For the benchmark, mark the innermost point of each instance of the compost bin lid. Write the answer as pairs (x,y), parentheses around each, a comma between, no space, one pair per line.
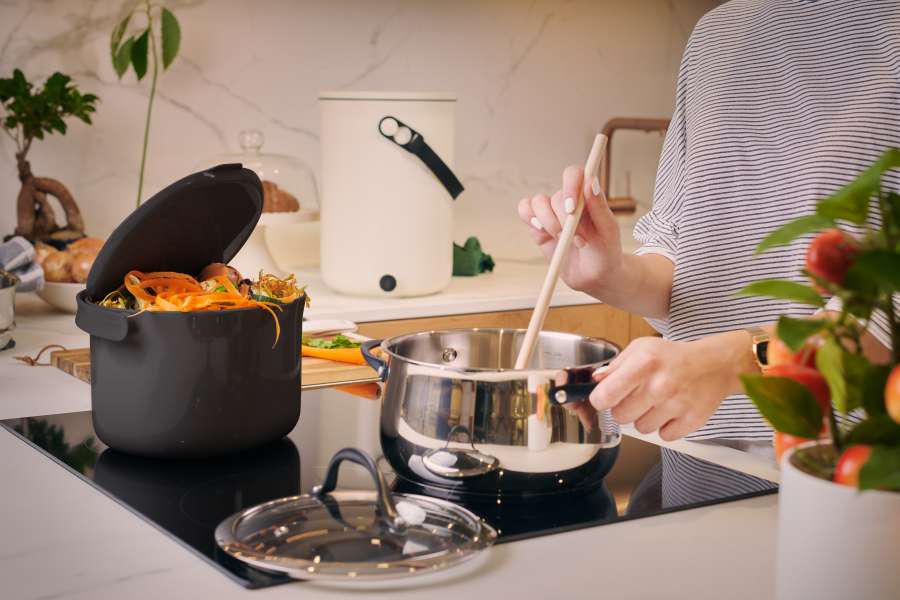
(200,219)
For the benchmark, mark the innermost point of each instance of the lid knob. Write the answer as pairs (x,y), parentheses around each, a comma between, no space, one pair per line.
(251,140)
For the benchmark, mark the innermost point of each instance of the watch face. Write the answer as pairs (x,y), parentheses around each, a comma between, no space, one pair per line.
(762,352)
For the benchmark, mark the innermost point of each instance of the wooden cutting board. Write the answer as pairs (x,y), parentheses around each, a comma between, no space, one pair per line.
(315,372)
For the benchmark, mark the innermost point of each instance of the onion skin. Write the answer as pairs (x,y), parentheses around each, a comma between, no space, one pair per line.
(41,251)
(87,244)
(81,265)
(58,267)
(216,269)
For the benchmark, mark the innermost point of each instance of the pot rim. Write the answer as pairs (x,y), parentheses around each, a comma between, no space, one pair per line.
(788,463)
(401,338)
(131,314)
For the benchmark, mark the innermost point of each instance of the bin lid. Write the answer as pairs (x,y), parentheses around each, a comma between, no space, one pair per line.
(203,218)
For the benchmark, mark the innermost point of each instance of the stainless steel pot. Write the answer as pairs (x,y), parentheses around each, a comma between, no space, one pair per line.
(8,284)
(456,415)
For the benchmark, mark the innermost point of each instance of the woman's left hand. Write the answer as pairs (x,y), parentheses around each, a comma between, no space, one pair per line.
(672,387)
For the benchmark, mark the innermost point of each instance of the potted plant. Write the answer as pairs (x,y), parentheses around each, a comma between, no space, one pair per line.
(836,413)
(29,114)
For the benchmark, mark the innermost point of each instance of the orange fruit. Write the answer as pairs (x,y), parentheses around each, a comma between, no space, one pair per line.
(830,254)
(892,394)
(851,461)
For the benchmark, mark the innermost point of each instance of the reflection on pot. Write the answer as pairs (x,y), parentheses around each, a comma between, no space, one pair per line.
(7,307)
(526,430)
(516,516)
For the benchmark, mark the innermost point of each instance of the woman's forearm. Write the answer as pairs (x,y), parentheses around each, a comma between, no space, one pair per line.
(643,286)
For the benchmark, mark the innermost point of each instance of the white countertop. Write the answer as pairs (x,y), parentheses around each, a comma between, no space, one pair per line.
(71,541)
(511,286)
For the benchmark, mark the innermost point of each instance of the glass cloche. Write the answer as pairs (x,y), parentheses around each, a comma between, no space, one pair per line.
(289,187)
(286,237)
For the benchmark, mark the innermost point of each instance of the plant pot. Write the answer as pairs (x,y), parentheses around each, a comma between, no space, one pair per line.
(833,540)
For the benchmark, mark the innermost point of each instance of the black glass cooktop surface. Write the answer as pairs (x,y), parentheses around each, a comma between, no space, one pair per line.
(188,499)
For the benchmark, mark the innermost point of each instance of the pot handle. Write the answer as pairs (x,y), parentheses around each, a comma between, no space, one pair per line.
(581,387)
(107,323)
(380,365)
(390,127)
(571,392)
(385,502)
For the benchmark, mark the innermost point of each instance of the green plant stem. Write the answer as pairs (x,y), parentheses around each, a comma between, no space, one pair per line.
(149,106)
(888,220)
(895,329)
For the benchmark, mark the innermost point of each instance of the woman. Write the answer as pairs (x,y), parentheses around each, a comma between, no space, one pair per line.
(778,104)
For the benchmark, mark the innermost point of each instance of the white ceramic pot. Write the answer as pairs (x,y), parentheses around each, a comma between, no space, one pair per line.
(387,220)
(835,541)
(61,296)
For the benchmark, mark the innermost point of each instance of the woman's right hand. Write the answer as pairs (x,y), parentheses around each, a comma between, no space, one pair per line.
(595,259)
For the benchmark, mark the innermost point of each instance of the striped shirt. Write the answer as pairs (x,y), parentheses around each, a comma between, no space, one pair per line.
(779,103)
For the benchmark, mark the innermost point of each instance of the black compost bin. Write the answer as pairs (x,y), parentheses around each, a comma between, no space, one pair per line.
(189,385)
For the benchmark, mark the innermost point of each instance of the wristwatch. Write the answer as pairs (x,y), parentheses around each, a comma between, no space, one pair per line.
(760,344)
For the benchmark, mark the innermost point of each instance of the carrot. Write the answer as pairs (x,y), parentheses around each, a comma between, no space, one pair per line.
(345,355)
(165,291)
(369,391)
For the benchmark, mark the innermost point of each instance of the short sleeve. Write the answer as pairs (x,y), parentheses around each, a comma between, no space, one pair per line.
(657,231)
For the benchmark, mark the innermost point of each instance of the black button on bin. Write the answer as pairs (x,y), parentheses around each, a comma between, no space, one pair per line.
(387,283)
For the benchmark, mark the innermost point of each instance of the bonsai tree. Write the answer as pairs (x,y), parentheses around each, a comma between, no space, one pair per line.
(820,367)
(140,50)
(30,114)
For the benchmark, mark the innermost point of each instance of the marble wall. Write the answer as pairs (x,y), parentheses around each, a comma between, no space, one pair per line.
(534,80)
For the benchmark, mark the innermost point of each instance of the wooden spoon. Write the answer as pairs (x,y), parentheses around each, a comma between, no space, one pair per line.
(559,255)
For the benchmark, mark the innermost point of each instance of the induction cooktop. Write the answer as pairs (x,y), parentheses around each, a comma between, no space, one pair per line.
(187,499)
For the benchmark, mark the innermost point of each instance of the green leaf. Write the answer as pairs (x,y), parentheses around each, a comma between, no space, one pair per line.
(339,341)
(784,290)
(794,332)
(873,385)
(55,86)
(788,405)
(139,54)
(794,229)
(845,373)
(115,39)
(829,361)
(880,266)
(123,57)
(875,430)
(851,202)
(171,37)
(882,470)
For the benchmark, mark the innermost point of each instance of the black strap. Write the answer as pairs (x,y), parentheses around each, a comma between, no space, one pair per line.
(416,145)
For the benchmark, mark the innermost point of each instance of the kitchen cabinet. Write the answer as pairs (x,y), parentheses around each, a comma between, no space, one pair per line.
(597,320)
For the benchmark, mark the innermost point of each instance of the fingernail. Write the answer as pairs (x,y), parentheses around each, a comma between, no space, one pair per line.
(579,241)
(595,186)
(569,204)
(536,224)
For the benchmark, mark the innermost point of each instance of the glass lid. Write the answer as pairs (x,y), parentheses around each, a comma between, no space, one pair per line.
(290,193)
(354,534)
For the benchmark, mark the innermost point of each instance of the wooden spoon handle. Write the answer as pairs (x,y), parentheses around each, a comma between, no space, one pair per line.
(559,255)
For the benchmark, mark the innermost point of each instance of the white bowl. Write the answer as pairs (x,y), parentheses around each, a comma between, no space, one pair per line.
(61,296)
